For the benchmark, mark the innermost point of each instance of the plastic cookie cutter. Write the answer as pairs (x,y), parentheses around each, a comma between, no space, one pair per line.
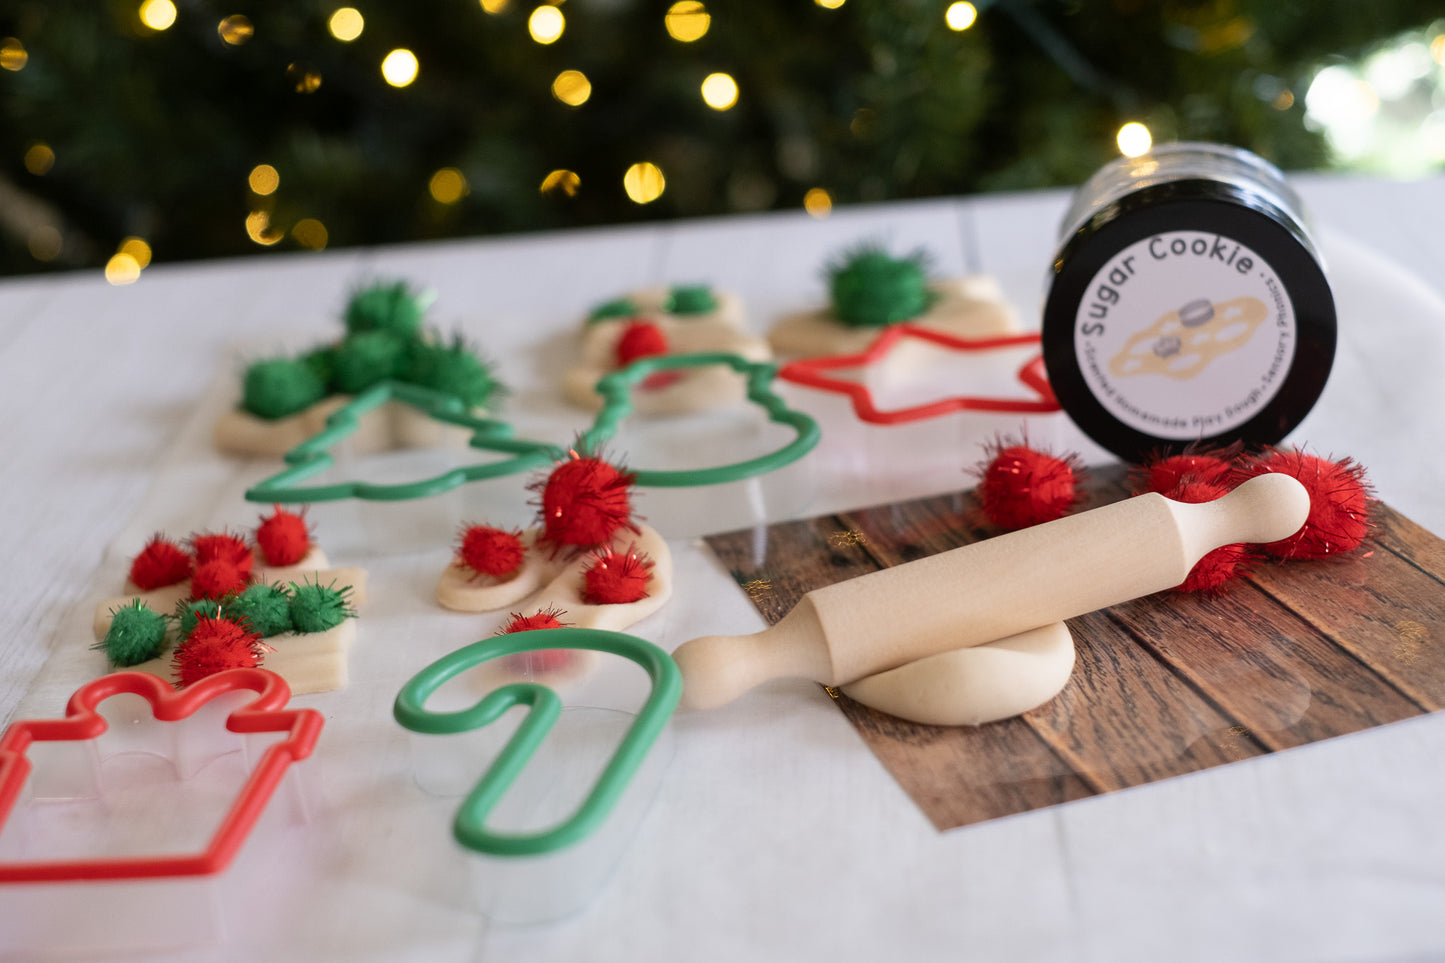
(313,456)
(99,850)
(813,372)
(547,872)
(763,471)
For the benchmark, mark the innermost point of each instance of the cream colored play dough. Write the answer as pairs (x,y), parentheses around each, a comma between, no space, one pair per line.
(558,582)
(983,683)
(694,389)
(388,426)
(970,307)
(308,661)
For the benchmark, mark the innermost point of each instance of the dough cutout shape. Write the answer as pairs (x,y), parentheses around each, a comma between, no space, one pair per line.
(651,321)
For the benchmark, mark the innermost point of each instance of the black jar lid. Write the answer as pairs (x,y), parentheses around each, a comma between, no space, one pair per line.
(1208,206)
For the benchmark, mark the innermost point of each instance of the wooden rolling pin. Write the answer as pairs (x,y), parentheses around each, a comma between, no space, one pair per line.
(989,590)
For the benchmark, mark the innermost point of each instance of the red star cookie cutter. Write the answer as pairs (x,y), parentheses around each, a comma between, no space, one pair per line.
(813,372)
(266,713)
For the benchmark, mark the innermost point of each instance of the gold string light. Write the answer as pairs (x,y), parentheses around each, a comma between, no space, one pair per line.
(310,233)
(400,67)
(138,250)
(961,15)
(236,29)
(346,24)
(687,20)
(264,179)
(304,78)
(39,159)
(546,24)
(158,14)
(1134,139)
(122,269)
(13,55)
(829,4)
(258,228)
(561,183)
(448,185)
(818,203)
(572,88)
(719,91)
(644,182)
(495,6)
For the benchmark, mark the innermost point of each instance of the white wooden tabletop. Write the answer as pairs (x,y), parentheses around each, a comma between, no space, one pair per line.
(776,835)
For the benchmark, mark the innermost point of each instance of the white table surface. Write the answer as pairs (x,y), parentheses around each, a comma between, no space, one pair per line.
(776,834)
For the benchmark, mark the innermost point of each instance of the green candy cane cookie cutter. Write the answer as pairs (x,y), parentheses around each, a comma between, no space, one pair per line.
(543,709)
(616,391)
(312,457)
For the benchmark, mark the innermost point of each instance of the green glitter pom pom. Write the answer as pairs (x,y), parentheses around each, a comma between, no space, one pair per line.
(317,608)
(620,308)
(364,359)
(137,634)
(277,387)
(454,369)
(389,307)
(265,608)
(871,289)
(188,609)
(690,299)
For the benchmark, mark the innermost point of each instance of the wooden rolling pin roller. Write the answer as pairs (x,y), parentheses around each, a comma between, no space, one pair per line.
(989,590)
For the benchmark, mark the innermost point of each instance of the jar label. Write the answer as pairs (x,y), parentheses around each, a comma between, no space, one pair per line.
(1185,334)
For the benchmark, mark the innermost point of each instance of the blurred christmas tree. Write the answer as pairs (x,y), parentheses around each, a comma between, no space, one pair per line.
(210,130)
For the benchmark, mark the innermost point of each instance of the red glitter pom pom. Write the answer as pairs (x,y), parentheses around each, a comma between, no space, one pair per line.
(585,502)
(224,547)
(1212,572)
(216,579)
(540,660)
(1022,486)
(162,562)
(1164,473)
(283,537)
(615,577)
(1339,518)
(641,339)
(490,551)
(214,646)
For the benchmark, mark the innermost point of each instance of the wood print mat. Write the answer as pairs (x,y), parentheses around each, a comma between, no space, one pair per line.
(1165,685)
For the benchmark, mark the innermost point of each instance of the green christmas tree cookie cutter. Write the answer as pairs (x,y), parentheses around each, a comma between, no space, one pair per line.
(312,456)
(543,709)
(616,390)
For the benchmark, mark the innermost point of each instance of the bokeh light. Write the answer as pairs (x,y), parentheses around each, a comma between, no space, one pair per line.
(264,179)
(137,249)
(310,233)
(546,24)
(304,78)
(644,182)
(39,159)
(687,20)
(572,88)
(158,15)
(122,269)
(45,242)
(719,91)
(495,6)
(236,30)
(1134,139)
(561,183)
(829,4)
(960,16)
(346,24)
(258,228)
(399,68)
(13,55)
(448,185)
(818,202)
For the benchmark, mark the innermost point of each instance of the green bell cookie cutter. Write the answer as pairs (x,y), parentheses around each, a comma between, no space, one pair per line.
(312,457)
(544,707)
(616,391)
